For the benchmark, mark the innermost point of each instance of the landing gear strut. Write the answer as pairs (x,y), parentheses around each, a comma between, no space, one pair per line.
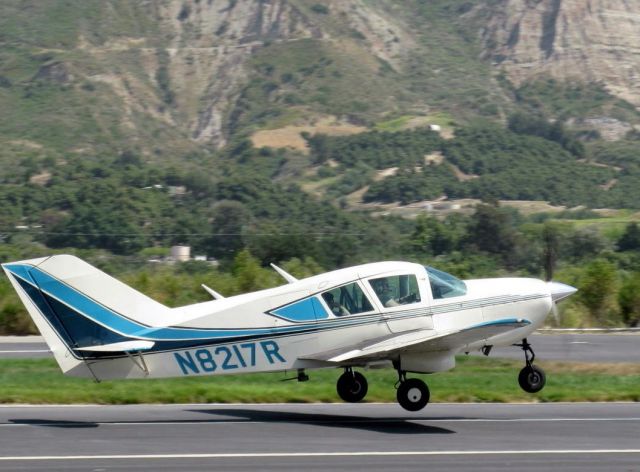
(413,394)
(352,386)
(531,377)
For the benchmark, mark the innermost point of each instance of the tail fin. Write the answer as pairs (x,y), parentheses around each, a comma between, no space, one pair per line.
(81,311)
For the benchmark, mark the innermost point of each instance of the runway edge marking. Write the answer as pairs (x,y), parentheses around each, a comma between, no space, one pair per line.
(320,454)
(332,421)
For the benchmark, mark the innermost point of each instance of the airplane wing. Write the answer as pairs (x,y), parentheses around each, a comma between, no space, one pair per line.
(423,340)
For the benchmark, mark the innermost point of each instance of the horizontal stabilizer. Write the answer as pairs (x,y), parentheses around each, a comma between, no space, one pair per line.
(125,346)
(424,340)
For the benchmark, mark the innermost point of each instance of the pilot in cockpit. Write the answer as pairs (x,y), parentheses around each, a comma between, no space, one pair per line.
(333,305)
(384,292)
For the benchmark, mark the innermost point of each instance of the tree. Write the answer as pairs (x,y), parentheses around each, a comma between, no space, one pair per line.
(598,289)
(248,273)
(630,239)
(431,236)
(629,299)
(229,220)
(491,229)
(582,243)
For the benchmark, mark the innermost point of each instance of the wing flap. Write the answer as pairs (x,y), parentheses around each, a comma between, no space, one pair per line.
(420,341)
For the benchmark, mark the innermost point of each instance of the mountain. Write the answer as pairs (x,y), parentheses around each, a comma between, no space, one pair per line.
(590,41)
(191,73)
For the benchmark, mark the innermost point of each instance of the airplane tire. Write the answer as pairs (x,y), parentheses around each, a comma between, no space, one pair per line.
(532,379)
(352,387)
(413,394)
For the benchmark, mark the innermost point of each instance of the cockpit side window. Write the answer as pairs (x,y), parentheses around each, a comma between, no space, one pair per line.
(346,300)
(445,285)
(396,290)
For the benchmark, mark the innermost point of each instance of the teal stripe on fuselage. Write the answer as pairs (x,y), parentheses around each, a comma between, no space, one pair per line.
(502,322)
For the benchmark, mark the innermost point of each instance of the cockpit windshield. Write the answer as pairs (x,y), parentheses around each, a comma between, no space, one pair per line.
(445,285)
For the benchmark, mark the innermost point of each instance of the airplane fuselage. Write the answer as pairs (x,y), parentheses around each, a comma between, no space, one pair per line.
(281,350)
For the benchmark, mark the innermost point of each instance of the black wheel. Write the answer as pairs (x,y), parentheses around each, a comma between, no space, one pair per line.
(532,379)
(413,394)
(352,387)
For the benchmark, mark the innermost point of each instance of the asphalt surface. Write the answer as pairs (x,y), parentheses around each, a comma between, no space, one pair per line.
(29,347)
(577,347)
(319,437)
(608,348)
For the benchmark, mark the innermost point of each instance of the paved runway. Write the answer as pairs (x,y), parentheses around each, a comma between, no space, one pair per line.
(561,347)
(579,348)
(15,347)
(319,437)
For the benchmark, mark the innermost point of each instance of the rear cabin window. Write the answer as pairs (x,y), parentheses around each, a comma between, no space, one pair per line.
(396,290)
(347,300)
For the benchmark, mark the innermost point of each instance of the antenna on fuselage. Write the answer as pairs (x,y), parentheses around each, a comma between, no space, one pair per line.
(212,292)
(286,275)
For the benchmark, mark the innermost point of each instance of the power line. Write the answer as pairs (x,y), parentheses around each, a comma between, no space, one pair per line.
(160,235)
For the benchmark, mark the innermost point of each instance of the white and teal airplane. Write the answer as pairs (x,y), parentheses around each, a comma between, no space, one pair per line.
(398,314)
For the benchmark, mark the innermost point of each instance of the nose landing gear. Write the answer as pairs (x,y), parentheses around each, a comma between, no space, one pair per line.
(531,378)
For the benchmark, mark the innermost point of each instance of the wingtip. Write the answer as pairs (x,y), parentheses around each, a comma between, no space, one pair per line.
(285,275)
(212,292)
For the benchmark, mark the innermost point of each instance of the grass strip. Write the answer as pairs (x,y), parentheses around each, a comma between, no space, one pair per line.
(475,379)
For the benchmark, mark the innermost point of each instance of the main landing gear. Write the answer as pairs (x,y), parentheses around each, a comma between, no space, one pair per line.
(412,394)
(352,386)
(531,377)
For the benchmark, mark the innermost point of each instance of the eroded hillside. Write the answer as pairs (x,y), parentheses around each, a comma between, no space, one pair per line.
(180,69)
(174,77)
(587,40)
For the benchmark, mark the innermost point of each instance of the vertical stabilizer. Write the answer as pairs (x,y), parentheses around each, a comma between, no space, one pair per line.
(81,311)
(67,360)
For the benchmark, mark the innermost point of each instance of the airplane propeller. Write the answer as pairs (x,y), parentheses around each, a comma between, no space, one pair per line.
(556,313)
(558,292)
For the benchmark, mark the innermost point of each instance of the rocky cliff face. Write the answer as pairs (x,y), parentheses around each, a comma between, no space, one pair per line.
(589,40)
(201,61)
(167,71)
(210,46)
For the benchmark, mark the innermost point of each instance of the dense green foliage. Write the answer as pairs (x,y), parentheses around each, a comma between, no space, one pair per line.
(561,100)
(517,167)
(495,163)
(523,123)
(411,185)
(377,149)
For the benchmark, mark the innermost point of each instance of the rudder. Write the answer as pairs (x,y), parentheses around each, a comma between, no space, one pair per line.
(79,309)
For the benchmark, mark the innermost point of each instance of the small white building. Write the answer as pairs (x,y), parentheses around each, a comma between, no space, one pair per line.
(180,253)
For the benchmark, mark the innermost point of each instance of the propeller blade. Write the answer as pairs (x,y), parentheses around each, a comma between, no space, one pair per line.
(559,291)
(556,314)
